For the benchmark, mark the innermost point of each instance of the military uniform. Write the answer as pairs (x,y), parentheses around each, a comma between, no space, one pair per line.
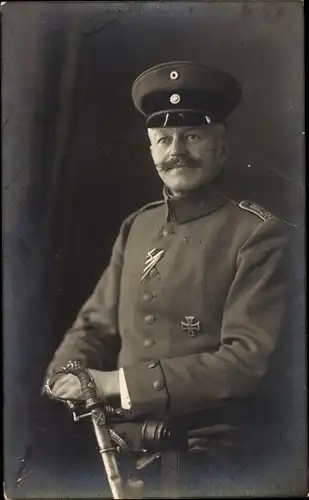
(199,328)
(192,302)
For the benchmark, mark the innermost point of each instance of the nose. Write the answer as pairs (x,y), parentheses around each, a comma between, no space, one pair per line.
(177,146)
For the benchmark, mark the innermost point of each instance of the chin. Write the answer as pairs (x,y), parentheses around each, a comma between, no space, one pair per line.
(182,188)
(183,185)
(182,181)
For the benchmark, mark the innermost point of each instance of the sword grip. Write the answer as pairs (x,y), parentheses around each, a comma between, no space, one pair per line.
(87,384)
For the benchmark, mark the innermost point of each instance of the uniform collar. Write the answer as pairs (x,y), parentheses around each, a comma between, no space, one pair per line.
(196,204)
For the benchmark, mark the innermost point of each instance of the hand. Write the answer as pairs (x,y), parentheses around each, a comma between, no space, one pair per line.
(68,386)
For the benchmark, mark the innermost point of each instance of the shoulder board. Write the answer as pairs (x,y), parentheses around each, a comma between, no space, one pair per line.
(256,209)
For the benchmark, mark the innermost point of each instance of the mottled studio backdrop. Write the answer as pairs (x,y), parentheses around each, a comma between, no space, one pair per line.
(76,161)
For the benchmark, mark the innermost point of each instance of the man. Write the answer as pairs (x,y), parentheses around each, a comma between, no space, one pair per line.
(185,319)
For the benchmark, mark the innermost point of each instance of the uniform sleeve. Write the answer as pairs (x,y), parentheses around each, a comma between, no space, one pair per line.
(94,339)
(252,319)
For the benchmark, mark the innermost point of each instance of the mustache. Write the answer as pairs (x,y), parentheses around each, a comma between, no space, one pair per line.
(185,162)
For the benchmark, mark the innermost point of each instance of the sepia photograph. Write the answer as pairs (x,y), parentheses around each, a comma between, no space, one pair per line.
(153,185)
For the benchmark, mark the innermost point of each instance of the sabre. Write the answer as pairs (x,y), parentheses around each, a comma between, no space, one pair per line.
(98,414)
(156,436)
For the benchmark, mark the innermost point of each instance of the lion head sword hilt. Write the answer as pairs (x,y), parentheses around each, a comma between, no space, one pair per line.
(88,388)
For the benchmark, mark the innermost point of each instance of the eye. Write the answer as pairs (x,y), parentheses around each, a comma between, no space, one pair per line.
(193,137)
(163,140)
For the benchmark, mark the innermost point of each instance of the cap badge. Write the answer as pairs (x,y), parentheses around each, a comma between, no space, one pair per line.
(191,326)
(151,260)
(174,75)
(175,98)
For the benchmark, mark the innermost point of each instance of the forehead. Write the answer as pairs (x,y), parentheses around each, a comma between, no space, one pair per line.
(204,130)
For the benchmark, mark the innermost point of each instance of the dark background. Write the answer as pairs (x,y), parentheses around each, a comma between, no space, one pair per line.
(76,160)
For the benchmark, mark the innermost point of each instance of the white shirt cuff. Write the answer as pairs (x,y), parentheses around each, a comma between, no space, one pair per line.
(124,393)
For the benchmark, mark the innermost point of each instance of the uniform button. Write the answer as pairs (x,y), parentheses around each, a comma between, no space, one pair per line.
(174,75)
(165,232)
(149,342)
(152,364)
(153,273)
(150,319)
(158,385)
(147,297)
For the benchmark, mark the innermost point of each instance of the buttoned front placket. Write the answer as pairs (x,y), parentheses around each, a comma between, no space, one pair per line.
(153,336)
(151,289)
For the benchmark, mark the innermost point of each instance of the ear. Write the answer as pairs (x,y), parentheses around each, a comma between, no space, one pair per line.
(150,133)
(223,138)
(223,150)
(151,151)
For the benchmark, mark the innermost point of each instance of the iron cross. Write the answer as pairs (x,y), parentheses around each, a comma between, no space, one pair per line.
(191,326)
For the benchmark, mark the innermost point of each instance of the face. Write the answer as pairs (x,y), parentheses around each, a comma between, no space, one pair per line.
(187,158)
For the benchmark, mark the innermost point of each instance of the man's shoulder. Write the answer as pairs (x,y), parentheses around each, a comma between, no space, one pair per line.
(149,206)
(153,205)
(249,213)
(247,210)
(247,217)
(256,211)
